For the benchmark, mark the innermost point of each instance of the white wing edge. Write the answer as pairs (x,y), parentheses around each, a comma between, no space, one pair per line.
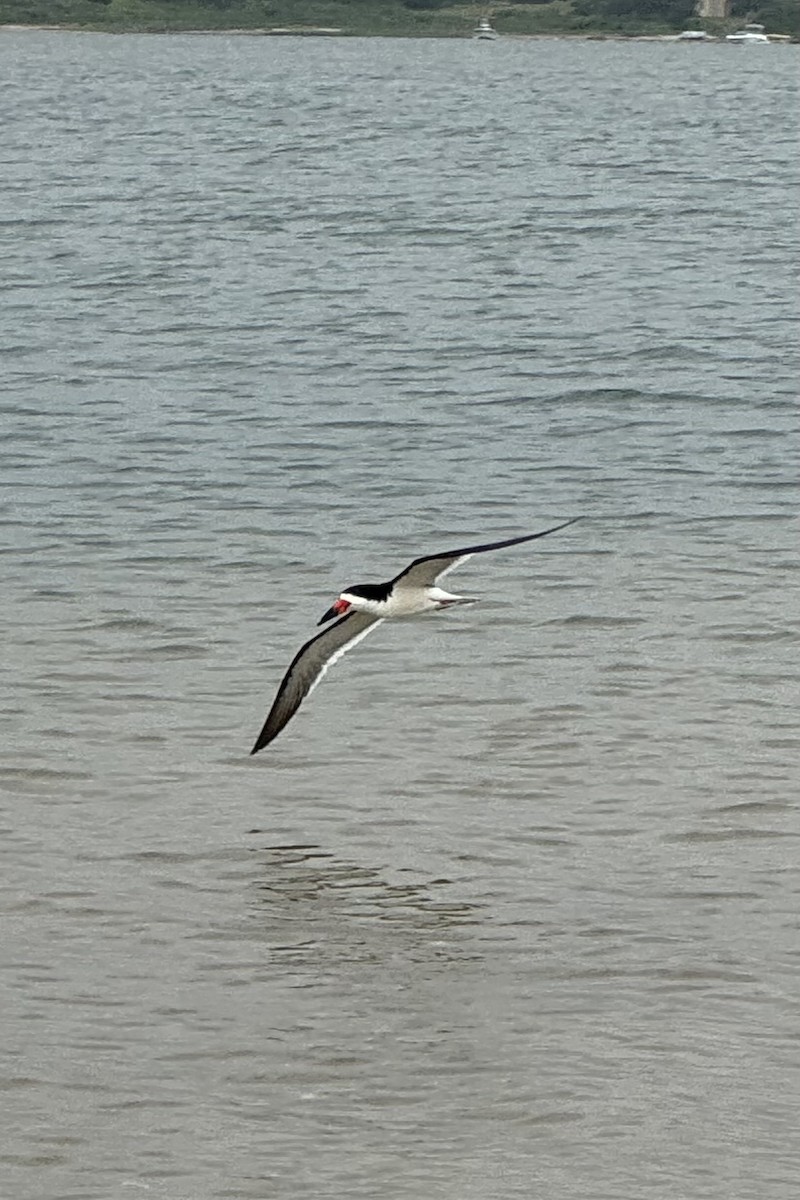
(446,571)
(334,658)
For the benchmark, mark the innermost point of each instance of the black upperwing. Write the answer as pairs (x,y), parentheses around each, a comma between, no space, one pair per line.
(307,668)
(423,572)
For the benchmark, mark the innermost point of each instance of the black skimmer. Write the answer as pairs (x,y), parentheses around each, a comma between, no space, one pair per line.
(360,609)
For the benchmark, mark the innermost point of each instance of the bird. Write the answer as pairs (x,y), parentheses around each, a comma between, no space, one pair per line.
(360,609)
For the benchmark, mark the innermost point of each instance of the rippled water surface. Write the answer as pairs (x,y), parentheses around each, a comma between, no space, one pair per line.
(511,907)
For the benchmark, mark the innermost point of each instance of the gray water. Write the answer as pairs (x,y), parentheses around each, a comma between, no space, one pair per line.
(511,908)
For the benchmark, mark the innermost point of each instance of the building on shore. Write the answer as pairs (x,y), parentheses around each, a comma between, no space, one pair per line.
(718,10)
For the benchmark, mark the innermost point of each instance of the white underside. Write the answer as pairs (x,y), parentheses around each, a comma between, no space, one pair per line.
(407,602)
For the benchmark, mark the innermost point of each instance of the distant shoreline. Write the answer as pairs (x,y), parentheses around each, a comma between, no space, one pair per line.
(567,35)
(330,32)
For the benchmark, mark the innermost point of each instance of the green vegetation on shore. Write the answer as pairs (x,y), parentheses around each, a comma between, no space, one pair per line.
(435,18)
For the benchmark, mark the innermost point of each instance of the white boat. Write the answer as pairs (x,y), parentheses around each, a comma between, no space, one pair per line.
(484,30)
(694,35)
(749,35)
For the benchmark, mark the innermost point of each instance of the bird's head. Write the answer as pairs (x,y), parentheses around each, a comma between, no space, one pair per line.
(364,597)
(337,609)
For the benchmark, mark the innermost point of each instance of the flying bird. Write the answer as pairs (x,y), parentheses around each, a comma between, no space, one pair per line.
(362,608)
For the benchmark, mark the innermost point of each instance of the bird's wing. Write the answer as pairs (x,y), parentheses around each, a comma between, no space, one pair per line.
(309,665)
(423,572)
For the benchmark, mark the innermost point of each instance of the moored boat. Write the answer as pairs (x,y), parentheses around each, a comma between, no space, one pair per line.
(484,31)
(750,35)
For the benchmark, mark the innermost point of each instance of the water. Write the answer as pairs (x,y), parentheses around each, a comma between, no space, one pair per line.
(510,909)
